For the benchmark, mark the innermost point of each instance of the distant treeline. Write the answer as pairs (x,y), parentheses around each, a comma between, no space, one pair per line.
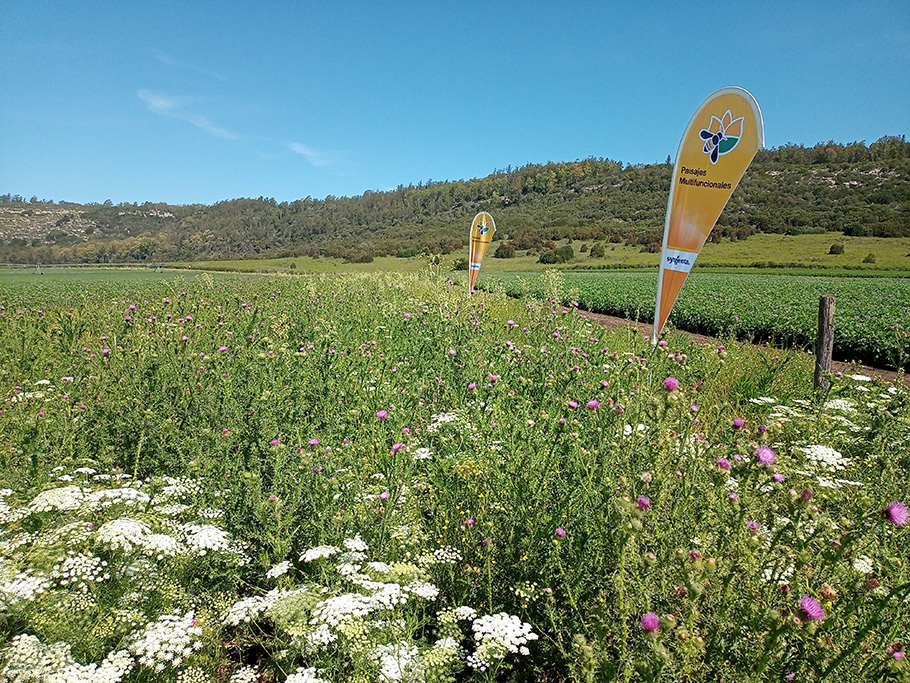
(856,188)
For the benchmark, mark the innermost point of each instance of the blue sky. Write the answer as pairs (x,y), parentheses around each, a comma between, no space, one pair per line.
(192,102)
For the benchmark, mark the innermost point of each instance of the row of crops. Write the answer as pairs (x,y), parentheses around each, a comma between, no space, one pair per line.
(872,324)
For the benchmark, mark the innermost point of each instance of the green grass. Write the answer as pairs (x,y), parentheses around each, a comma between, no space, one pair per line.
(204,435)
(806,251)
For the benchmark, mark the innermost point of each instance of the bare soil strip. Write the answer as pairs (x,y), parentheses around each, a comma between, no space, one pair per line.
(614,323)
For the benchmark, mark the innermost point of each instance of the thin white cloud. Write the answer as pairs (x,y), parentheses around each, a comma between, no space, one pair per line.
(173,107)
(167,60)
(313,156)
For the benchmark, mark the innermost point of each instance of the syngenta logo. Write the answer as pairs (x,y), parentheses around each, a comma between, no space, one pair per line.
(676,260)
(722,135)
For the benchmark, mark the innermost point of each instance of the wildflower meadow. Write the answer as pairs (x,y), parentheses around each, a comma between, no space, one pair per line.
(380,478)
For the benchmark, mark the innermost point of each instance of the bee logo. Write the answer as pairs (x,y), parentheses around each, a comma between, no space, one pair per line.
(722,135)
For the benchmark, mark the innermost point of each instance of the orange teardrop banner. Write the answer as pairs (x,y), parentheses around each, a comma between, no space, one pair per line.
(482,229)
(719,144)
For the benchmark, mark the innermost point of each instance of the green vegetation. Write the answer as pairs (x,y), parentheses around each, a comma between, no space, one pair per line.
(854,189)
(345,478)
(870,321)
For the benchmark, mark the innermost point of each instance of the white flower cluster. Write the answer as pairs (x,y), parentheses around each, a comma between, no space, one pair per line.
(24,586)
(167,641)
(863,565)
(61,499)
(79,571)
(279,569)
(447,555)
(31,661)
(251,608)
(162,545)
(319,552)
(395,659)
(126,495)
(205,538)
(8,514)
(179,488)
(356,544)
(171,509)
(497,635)
(305,675)
(245,674)
(826,458)
(338,609)
(440,419)
(423,454)
(124,534)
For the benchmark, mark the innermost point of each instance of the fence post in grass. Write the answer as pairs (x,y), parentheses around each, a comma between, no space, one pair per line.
(824,345)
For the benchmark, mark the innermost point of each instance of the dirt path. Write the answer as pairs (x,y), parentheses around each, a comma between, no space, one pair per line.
(614,323)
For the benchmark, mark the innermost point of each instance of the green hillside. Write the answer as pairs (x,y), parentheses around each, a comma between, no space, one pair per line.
(854,189)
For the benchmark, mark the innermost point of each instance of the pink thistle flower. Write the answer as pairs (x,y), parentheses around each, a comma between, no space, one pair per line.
(643,503)
(734,495)
(671,383)
(897,514)
(472,386)
(222,349)
(765,456)
(407,316)
(723,463)
(738,423)
(560,531)
(397,447)
(779,478)
(593,404)
(384,495)
(382,414)
(811,609)
(573,404)
(650,622)
(314,441)
(469,521)
(275,442)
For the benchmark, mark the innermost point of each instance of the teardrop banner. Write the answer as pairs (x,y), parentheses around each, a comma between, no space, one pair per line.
(482,229)
(719,144)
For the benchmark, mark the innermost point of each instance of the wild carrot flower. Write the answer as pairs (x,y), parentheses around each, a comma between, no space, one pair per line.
(650,622)
(811,609)
(765,456)
(897,514)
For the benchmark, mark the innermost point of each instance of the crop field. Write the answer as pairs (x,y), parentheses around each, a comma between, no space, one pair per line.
(871,320)
(374,477)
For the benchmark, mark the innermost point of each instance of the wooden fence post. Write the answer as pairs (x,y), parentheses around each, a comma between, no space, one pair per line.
(824,345)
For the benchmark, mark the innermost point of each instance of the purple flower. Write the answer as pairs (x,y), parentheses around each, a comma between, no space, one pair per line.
(275,442)
(382,414)
(738,423)
(560,531)
(779,478)
(472,386)
(805,495)
(397,447)
(643,503)
(734,495)
(469,521)
(314,441)
(752,524)
(897,513)
(671,383)
(593,404)
(650,622)
(573,404)
(384,495)
(723,463)
(811,609)
(765,456)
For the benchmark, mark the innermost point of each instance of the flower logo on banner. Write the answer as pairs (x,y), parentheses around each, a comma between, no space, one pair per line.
(722,135)
(482,227)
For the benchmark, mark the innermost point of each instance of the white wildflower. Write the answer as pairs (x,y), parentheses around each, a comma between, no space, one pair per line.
(319,552)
